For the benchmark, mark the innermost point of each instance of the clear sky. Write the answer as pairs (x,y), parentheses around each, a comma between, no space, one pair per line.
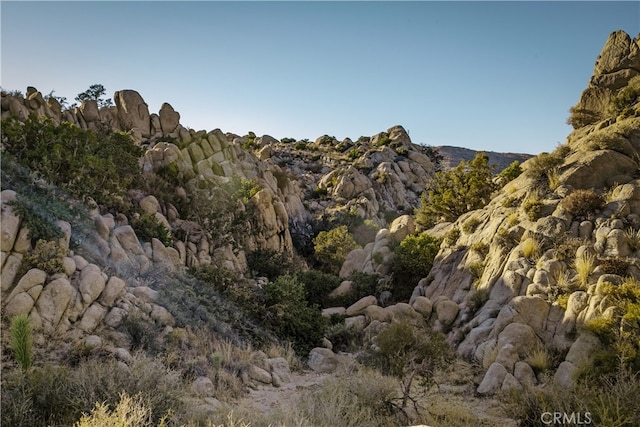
(497,76)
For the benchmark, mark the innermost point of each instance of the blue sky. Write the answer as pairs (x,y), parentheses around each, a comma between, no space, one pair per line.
(497,76)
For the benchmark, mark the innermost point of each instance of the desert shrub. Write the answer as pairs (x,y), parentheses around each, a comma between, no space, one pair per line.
(100,165)
(633,237)
(354,153)
(290,317)
(270,263)
(129,412)
(364,233)
(580,117)
(408,353)
(141,331)
(511,202)
(563,300)
(615,266)
(582,202)
(626,98)
(451,193)
(300,145)
(58,396)
(510,173)
(533,206)
(477,299)
(148,227)
(539,166)
(46,256)
(412,260)
(21,343)
(451,236)
(481,248)
(470,225)
(39,205)
(318,285)
(476,269)
(332,248)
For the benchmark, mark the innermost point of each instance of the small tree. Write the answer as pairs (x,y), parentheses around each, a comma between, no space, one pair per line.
(409,353)
(451,193)
(333,246)
(95,93)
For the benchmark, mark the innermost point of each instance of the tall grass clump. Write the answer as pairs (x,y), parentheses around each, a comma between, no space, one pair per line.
(22,341)
(531,248)
(129,412)
(584,264)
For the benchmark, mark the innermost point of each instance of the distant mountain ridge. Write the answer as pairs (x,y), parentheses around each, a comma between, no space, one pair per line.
(453,155)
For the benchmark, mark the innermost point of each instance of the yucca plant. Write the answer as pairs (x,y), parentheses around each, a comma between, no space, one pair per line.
(22,341)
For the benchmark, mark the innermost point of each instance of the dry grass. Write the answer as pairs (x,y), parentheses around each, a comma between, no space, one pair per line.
(539,359)
(584,265)
(531,248)
(489,355)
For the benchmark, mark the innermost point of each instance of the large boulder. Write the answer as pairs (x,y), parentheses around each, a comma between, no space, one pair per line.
(322,360)
(169,118)
(133,112)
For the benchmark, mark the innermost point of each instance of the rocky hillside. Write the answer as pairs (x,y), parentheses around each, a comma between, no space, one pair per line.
(543,266)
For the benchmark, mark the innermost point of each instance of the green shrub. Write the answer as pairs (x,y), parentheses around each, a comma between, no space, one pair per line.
(481,248)
(21,343)
(511,172)
(407,352)
(269,263)
(332,247)
(580,117)
(582,202)
(533,207)
(615,266)
(148,226)
(470,225)
(623,101)
(300,145)
(451,236)
(412,260)
(46,256)
(101,165)
(451,193)
(318,285)
(477,299)
(354,153)
(290,317)
(539,166)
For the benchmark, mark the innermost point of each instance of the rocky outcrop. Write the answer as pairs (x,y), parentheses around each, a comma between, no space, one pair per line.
(618,63)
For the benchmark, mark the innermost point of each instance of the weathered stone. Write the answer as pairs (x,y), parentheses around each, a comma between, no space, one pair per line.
(114,289)
(322,360)
(31,278)
(10,270)
(565,374)
(92,283)
(133,112)
(359,306)
(53,302)
(402,312)
(162,315)
(145,293)
(493,378)
(401,227)
(328,312)
(507,357)
(510,383)
(202,386)
(375,312)
(524,374)
(169,118)
(280,367)
(20,304)
(92,317)
(521,337)
(356,323)
(149,205)
(423,306)
(9,226)
(446,311)
(258,374)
